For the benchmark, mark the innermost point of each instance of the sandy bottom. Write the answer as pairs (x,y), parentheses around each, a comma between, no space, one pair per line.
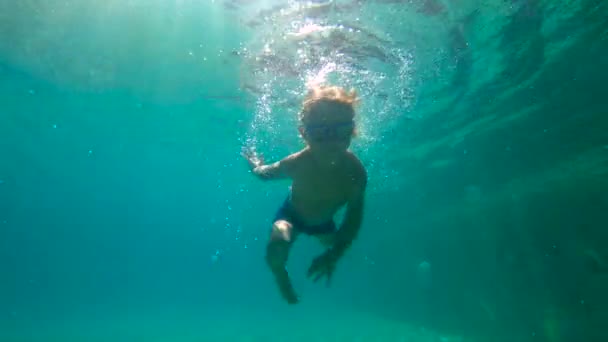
(243,325)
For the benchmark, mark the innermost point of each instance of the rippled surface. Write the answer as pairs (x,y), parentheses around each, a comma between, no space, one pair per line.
(431,74)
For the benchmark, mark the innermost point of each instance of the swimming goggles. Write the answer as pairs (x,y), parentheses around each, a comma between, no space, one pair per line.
(337,131)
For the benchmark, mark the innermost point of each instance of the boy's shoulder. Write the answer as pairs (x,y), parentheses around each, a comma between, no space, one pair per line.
(356,162)
(357,168)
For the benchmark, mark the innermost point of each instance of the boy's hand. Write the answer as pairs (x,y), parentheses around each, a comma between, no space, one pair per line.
(252,158)
(323,265)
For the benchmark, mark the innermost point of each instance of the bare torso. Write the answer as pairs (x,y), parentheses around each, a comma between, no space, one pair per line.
(320,189)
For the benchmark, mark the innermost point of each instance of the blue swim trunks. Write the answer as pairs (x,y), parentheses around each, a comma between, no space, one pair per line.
(287,213)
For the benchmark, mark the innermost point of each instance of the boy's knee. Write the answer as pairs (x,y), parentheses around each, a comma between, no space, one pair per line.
(278,246)
(281,231)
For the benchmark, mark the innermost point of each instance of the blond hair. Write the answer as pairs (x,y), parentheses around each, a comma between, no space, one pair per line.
(329,95)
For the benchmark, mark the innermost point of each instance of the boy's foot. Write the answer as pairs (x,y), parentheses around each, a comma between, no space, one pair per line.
(288,293)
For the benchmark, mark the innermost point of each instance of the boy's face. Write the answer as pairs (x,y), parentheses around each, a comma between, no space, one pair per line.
(328,128)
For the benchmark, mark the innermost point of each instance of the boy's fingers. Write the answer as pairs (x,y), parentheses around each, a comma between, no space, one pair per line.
(319,276)
(314,273)
(320,273)
(311,271)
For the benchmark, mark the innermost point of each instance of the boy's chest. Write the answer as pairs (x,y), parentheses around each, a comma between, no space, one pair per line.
(325,185)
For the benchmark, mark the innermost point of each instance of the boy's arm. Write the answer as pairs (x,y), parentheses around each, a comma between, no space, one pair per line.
(352,220)
(277,170)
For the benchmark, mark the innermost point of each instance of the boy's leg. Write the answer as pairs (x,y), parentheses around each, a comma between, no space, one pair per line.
(277,251)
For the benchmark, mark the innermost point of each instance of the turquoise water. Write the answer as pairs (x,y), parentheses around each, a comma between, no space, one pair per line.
(128,214)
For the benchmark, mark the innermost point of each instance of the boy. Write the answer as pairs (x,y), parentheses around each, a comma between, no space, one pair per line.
(325,176)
